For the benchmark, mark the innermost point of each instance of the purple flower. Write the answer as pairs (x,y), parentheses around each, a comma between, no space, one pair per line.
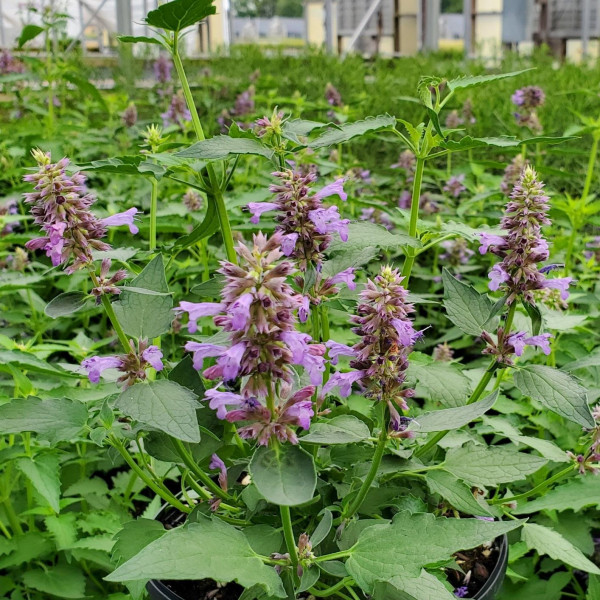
(202,351)
(333,189)
(336,350)
(332,95)
(455,185)
(520,339)
(177,113)
(231,359)
(258,208)
(217,464)
(304,309)
(327,220)
(343,381)
(162,69)
(560,283)
(497,276)
(512,173)
(129,116)
(461,592)
(240,311)
(197,310)
(97,364)
(124,218)
(288,243)
(219,401)
(153,356)
(346,276)
(529,97)
(489,239)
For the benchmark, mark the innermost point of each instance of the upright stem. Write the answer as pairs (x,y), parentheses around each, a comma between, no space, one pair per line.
(216,188)
(153,210)
(483,383)
(366,486)
(288,534)
(414,217)
(13,520)
(112,317)
(590,169)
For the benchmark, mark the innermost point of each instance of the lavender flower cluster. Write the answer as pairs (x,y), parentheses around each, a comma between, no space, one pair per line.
(528,99)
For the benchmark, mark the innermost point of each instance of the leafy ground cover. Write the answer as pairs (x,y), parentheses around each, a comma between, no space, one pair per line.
(342,315)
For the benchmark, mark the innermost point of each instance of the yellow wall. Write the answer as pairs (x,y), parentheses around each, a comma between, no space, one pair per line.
(216,25)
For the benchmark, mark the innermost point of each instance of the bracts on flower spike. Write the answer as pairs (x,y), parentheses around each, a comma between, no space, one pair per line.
(258,310)
(380,359)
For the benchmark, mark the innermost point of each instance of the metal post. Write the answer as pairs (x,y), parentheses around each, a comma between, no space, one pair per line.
(329,25)
(88,22)
(467,16)
(145,11)
(431,23)
(363,23)
(124,17)
(2,31)
(585,28)
(82,26)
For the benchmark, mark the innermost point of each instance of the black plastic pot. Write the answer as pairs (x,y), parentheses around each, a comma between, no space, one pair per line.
(159,591)
(492,586)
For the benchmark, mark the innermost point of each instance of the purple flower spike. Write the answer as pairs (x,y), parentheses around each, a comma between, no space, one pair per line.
(461,592)
(336,350)
(497,276)
(258,208)
(343,381)
(153,356)
(202,351)
(488,239)
(124,218)
(96,364)
(519,340)
(327,220)
(231,360)
(333,189)
(219,401)
(240,311)
(288,243)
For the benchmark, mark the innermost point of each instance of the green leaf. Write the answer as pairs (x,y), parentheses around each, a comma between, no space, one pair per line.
(423,587)
(348,131)
(44,474)
(284,475)
(145,315)
(323,528)
(452,418)
(575,495)
(30,362)
(87,88)
(63,581)
(535,316)
(126,165)
(207,549)
(65,304)
(366,234)
(547,541)
(456,492)
(26,547)
(63,529)
(482,466)
(469,310)
(264,539)
(546,448)
(402,548)
(163,405)
(299,127)
(557,391)
(344,429)
(28,33)
(211,288)
(345,258)
(137,39)
(467,142)
(476,80)
(54,419)
(223,146)
(593,592)
(442,382)
(208,226)
(179,14)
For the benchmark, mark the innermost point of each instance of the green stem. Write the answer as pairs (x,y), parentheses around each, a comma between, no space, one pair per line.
(190,463)
(330,590)
(110,311)
(153,210)
(590,169)
(166,496)
(12,517)
(414,217)
(364,489)
(334,555)
(288,534)
(217,194)
(538,488)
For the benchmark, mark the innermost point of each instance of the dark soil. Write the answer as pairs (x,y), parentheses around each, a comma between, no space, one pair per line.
(205,589)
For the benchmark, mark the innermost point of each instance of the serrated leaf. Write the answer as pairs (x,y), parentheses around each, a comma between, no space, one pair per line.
(347,257)
(28,33)
(299,127)
(54,419)
(125,165)
(344,429)
(30,362)
(179,14)
(575,495)
(547,541)
(224,146)
(145,315)
(469,310)
(476,80)
(26,547)
(137,39)
(483,466)
(546,448)
(284,475)
(456,492)
(423,587)
(44,474)
(442,382)
(557,391)
(467,142)
(65,304)
(402,548)
(134,536)
(163,405)
(365,234)
(207,549)
(452,418)
(348,131)
(63,529)
(62,581)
